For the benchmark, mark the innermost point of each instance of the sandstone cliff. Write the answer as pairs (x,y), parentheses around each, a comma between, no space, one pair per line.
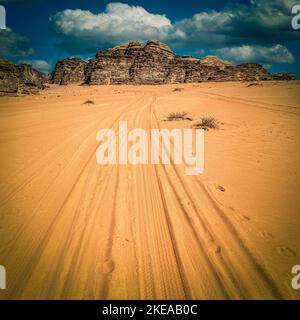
(132,63)
(71,70)
(284,76)
(155,63)
(19,79)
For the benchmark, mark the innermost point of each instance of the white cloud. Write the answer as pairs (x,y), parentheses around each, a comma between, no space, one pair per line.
(258,22)
(13,44)
(118,23)
(244,32)
(262,54)
(40,65)
(241,31)
(211,21)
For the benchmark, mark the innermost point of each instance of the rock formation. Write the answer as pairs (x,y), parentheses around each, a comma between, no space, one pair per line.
(71,70)
(284,76)
(151,64)
(132,63)
(213,61)
(19,79)
(155,63)
(113,65)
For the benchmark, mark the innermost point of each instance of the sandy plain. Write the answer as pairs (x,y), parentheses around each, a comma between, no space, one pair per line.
(73,229)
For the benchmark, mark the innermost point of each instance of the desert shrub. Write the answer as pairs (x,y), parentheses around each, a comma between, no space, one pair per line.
(207,123)
(175,116)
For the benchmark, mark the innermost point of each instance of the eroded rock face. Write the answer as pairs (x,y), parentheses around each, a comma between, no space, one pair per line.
(192,70)
(113,66)
(19,79)
(151,64)
(155,63)
(71,70)
(284,76)
(131,63)
(213,61)
(252,72)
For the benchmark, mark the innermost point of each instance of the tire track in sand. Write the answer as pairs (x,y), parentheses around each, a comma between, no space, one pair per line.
(253,264)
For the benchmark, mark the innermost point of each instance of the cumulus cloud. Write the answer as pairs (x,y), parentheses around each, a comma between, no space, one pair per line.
(40,65)
(84,31)
(14,45)
(255,23)
(255,31)
(265,55)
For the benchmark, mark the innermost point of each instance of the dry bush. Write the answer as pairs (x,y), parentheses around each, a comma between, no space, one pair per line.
(175,116)
(207,123)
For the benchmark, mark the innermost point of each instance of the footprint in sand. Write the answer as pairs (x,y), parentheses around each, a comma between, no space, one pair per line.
(220,188)
(108,266)
(245,218)
(240,216)
(285,251)
(266,235)
(218,249)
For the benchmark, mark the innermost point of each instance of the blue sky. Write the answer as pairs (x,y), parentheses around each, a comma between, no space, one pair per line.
(43,31)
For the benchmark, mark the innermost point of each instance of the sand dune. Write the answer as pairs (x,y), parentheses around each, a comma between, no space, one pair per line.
(73,229)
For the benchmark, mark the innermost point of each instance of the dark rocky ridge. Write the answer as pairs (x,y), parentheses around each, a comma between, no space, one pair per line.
(131,63)
(19,79)
(71,70)
(155,63)
(284,76)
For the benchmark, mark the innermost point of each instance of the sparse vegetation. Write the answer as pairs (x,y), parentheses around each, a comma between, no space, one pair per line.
(207,123)
(175,116)
(89,102)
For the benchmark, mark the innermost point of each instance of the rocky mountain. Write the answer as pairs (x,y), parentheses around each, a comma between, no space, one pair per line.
(215,62)
(132,63)
(151,64)
(113,65)
(71,70)
(19,79)
(155,63)
(284,76)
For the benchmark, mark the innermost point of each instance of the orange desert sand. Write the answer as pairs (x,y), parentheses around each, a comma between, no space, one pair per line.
(73,229)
